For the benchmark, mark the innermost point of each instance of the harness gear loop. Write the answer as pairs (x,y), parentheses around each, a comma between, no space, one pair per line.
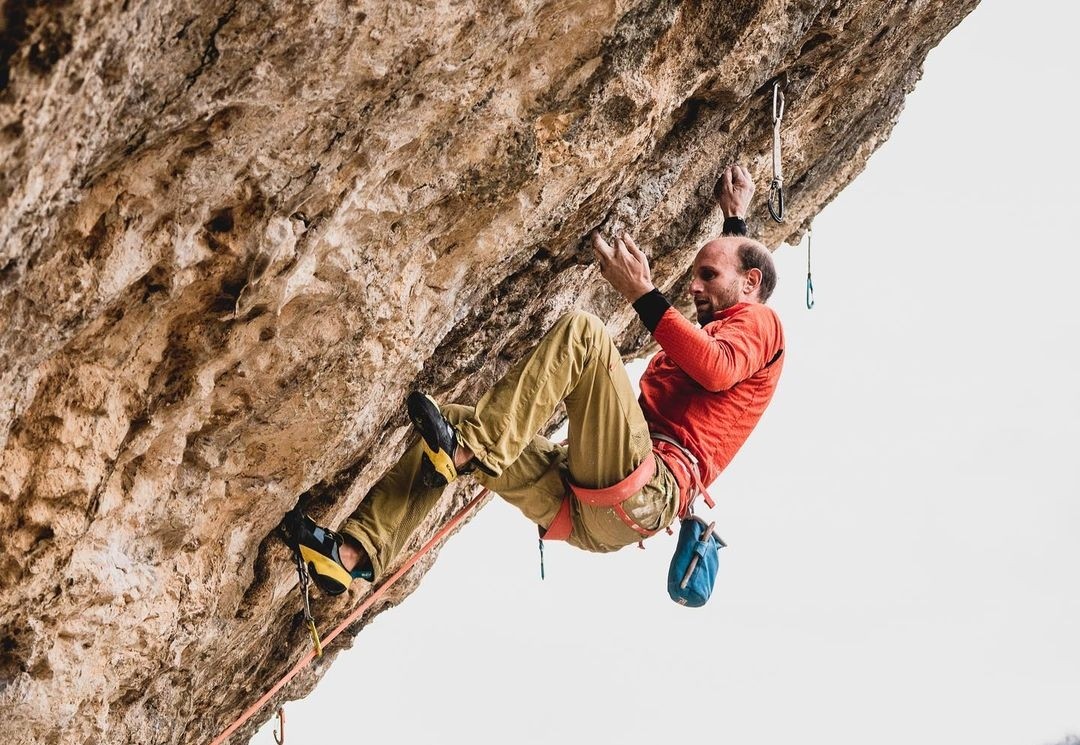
(776,188)
(809,280)
(305,593)
(281,726)
(690,484)
(371,599)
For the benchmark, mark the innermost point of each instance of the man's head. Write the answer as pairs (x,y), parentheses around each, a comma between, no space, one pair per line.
(731,270)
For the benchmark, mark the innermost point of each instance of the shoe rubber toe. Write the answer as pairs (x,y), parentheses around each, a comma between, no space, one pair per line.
(437,438)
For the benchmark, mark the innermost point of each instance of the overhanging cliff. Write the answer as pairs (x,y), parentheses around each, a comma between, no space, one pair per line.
(232,238)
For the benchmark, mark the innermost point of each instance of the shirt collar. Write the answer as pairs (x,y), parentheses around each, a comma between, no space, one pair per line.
(729,312)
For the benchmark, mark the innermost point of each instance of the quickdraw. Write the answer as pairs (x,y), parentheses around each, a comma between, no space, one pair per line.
(371,599)
(809,280)
(305,593)
(281,726)
(776,188)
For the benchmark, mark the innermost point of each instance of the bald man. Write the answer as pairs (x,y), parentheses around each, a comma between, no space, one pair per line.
(631,465)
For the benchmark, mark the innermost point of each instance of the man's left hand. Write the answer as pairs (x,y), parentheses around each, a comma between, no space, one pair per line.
(623,265)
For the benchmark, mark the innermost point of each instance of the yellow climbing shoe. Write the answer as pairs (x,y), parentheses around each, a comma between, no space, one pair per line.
(320,551)
(438,438)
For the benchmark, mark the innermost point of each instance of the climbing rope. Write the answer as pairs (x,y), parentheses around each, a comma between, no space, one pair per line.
(352,617)
(809,280)
(776,188)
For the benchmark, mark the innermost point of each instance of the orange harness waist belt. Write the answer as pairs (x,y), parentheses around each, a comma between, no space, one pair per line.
(609,496)
(613,496)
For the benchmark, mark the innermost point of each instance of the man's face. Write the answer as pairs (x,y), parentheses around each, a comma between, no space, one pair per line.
(718,282)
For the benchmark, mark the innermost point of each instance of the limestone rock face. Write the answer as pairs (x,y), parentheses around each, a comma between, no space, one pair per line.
(233,236)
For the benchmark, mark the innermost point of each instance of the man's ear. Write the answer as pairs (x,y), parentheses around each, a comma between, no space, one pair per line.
(752,281)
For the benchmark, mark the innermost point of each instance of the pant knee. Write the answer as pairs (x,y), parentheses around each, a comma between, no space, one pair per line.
(583,325)
(456,413)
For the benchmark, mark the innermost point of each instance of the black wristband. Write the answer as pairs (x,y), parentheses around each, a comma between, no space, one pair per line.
(734,226)
(651,307)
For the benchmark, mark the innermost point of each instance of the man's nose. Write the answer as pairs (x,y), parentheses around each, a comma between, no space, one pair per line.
(695,286)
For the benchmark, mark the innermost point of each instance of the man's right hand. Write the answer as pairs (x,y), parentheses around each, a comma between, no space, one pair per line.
(624,265)
(736,189)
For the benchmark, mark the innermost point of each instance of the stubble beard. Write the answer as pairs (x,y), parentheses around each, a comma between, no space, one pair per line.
(707,314)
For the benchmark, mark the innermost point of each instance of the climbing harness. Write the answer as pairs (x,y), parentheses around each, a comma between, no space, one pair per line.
(776,188)
(281,726)
(305,593)
(613,496)
(371,599)
(809,280)
(673,452)
(692,573)
(680,461)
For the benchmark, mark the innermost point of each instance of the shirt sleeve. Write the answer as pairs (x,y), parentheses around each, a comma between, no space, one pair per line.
(718,358)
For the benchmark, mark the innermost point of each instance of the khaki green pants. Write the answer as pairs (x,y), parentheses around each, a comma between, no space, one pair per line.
(575,363)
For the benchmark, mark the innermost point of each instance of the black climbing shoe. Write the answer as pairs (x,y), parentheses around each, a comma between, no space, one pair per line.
(439,440)
(320,551)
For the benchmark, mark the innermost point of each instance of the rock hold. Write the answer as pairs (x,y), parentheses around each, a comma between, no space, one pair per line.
(232,240)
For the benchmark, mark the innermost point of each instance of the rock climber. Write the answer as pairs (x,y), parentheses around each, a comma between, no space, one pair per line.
(630,465)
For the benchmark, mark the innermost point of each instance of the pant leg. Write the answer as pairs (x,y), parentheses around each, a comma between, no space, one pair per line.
(393,508)
(534,482)
(575,362)
(398,503)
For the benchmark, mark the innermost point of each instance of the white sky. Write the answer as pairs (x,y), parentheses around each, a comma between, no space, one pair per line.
(903,561)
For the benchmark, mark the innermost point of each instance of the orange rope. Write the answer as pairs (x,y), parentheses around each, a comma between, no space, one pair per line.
(368,602)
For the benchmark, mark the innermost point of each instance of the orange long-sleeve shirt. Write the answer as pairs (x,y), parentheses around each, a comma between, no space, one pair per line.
(709,386)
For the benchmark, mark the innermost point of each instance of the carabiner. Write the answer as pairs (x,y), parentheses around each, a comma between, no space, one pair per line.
(281,726)
(777,102)
(305,593)
(775,202)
